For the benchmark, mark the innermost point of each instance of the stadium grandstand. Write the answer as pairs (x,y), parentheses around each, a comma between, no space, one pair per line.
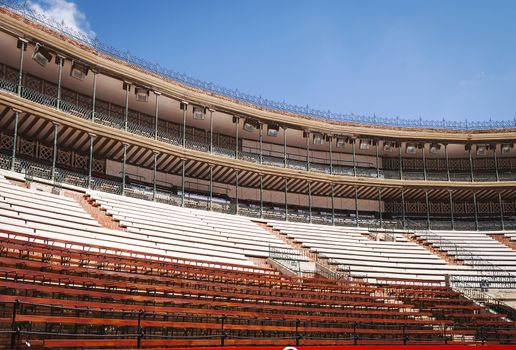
(141,208)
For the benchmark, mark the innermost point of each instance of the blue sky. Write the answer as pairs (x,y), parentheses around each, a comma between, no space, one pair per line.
(434,59)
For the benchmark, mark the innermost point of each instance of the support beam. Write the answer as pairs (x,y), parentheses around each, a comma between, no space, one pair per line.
(236,191)
(124,162)
(500,203)
(15,139)
(156,115)
(424,162)
(237,125)
(94,95)
(211,131)
(471,163)
(60,63)
(427,204)
(183,169)
(261,142)
(447,162)
(184,104)
(330,141)
(401,160)
(377,160)
(286,199)
(452,210)
(210,203)
(285,160)
(403,217)
(309,201)
(476,210)
(332,203)
(354,145)
(22,45)
(127,87)
(380,206)
(155,175)
(308,150)
(261,196)
(90,162)
(356,207)
(496,164)
(54,151)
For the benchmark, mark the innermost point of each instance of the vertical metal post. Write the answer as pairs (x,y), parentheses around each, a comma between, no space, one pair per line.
(236,192)
(261,195)
(354,157)
(308,150)
(496,164)
(94,95)
(156,115)
(332,204)
(222,331)
(15,139)
(60,62)
(424,162)
(185,107)
(14,329)
(401,161)
(22,45)
(500,203)
(452,213)
(139,330)
(155,175)
(447,162)
(330,141)
(298,335)
(211,188)
(286,199)
(237,124)
(285,161)
(356,207)
(54,151)
(211,131)
(427,210)
(90,163)
(471,163)
(309,201)
(123,168)
(126,87)
(403,218)
(377,161)
(380,206)
(183,165)
(476,209)
(261,143)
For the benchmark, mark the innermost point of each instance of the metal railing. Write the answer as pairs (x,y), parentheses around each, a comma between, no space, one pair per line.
(22,7)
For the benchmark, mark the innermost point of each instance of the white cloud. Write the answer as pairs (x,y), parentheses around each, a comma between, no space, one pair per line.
(64,12)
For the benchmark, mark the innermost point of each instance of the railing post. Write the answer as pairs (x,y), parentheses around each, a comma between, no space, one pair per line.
(444,334)
(15,331)
(405,338)
(222,331)
(355,336)
(139,330)
(22,45)
(298,336)
(15,139)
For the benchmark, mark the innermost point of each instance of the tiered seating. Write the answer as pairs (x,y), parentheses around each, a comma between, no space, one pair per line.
(474,248)
(351,247)
(213,233)
(62,297)
(59,217)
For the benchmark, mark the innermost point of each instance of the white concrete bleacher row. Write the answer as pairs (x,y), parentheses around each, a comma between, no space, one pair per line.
(56,217)
(482,249)
(349,246)
(211,231)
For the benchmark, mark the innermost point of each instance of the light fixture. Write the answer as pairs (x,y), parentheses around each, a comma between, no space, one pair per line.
(142,94)
(434,148)
(250,124)
(387,146)
(318,139)
(481,150)
(365,144)
(506,148)
(411,148)
(341,142)
(41,55)
(199,112)
(272,130)
(79,71)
